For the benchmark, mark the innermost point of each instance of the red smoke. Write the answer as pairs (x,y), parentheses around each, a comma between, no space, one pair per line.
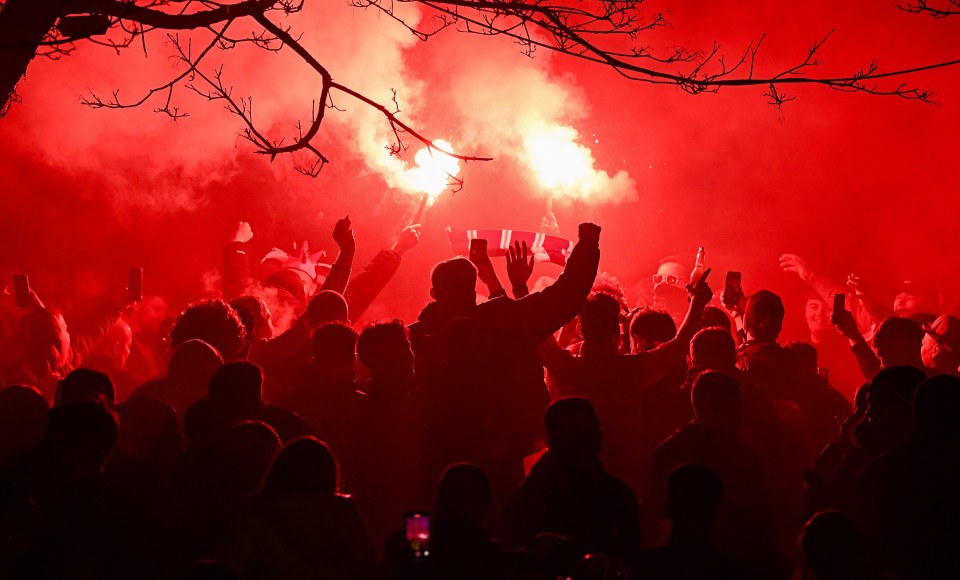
(850,181)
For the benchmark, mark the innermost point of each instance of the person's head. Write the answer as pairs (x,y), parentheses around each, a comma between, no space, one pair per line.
(23,420)
(714,349)
(898,342)
(327,306)
(916,295)
(214,322)
(464,492)
(303,465)
(116,344)
(237,388)
(246,453)
(936,405)
(334,347)
(383,347)
(40,345)
(940,348)
(86,385)
(669,287)
(254,315)
(888,417)
(573,431)
(763,318)
(80,435)
(716,400)
(600,321)
(832,546)
(713,316)
(693,499)
(149,432)
(650,328)
(148,315)
(454,281)
(817,314)
(802,357)
(193,362)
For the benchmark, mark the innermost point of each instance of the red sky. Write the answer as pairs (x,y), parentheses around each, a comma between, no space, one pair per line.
(851,181)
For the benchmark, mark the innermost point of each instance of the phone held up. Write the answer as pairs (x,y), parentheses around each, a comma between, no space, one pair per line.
(21,289)
(135,284)
(731,289)
(417,528)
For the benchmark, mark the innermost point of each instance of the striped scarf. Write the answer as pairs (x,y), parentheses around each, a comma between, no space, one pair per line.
(545,248)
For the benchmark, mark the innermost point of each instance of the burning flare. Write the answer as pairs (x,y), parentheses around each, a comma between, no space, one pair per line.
(433,171)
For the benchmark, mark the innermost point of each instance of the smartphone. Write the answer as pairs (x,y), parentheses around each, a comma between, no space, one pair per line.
(417,527)
(839,302)
(731,289)
(135,284)
(21,289)
(478,246)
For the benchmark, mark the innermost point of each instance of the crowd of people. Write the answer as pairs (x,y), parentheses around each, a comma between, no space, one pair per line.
(553,433)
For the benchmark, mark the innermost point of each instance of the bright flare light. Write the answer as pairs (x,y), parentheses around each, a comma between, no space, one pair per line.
(433,171)
(559,162)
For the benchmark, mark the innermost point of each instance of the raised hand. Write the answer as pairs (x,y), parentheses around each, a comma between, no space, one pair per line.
(857,285)
(846,324)
(243,233)
(519,266)
(408,239)
(549,224)
(797,265)
(343,234)
(700,293)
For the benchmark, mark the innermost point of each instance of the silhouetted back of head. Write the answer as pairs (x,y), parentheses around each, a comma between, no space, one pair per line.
(573,430)
(693,498)
(832,546)
(802,357)
(464,491)
(335,346)
(651,327)
(327,306)
(303,465)
(895,385)
(23,420)
(454,280)
(898,339)
(194,361)
(713,316)
(246,454)
(940,347)
(713,348)
(237,386)
(83,433)
(383,347)
(254,315)
(149,431)
(214,322)
(763,318)
(716,400)
(600,319)
(936,406)
(86,385)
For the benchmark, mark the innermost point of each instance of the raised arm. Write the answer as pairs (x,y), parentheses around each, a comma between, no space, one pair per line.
(542,313)
(653,364)
(367,285)
(340,272)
